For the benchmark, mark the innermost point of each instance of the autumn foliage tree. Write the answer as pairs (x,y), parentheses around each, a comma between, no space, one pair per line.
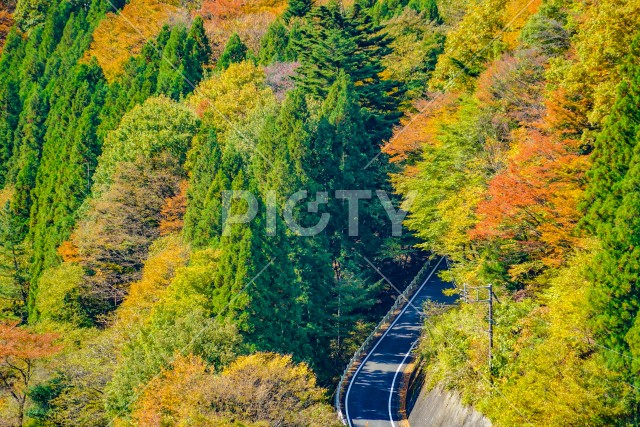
(418,128)
(125,32)
(249,19)
(6,22)
(173,211)
(123,223)
(220,9)
(261,389)
(175,396)
(282,391)
(534,201)
(20,350)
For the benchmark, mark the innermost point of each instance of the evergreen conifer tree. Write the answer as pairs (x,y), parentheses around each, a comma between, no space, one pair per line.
(207,179)
(25,163)
(69,157)
(429,7)
(298,8)
(173,76)
(322,154)
(332,42)
(9,114)
(200,54)
(234,51)
(274,46)
(613,215)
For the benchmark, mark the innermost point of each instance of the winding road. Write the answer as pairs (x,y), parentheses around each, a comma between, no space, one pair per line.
(372,398)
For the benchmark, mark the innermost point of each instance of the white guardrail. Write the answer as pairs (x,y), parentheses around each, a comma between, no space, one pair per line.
(371,339)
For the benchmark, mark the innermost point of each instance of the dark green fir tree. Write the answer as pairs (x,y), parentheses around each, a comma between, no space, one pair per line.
(298,8)
(334,41)
(234,51)
(275,46)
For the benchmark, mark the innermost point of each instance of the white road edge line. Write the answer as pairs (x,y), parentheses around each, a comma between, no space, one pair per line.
(393,383)
(346,398)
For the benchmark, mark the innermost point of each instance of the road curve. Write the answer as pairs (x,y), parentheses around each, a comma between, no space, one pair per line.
(372,397)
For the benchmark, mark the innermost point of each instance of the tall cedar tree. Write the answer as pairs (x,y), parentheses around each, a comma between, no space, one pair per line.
(429,7)
(387,9)
(235,51)
(295,163)
(275,46)
(324,154)
(183,58)
(10,99)
(333,41)
(69,157)
(25,162)
(341,138)
(241,290)
(255,284)
(298,8)
(613,215)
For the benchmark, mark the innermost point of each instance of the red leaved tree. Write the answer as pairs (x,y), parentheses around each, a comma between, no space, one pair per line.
(221,9)
(19,351)
(534,200)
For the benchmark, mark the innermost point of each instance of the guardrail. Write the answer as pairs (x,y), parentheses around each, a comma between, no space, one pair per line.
(371,339)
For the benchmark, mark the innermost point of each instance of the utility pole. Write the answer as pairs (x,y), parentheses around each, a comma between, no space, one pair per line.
(489,300)
(490,320)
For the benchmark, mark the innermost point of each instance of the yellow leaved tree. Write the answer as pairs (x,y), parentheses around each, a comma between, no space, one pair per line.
(262,389)
(118,36)
(605,30)
(165,256)
(248,18)
(228,99)
(489,28)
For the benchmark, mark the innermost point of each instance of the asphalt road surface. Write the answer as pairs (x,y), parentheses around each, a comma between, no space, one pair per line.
(372,395)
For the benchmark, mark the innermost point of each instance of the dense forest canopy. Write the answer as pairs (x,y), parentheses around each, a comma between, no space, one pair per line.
(509,130)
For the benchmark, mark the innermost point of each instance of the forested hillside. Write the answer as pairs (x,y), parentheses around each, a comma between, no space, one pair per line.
(522,161)
(506,128)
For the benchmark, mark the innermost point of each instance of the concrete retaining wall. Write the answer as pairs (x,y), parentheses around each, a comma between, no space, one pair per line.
(441,408)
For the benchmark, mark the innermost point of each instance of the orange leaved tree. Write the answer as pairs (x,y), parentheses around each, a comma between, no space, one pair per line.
(19,351)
